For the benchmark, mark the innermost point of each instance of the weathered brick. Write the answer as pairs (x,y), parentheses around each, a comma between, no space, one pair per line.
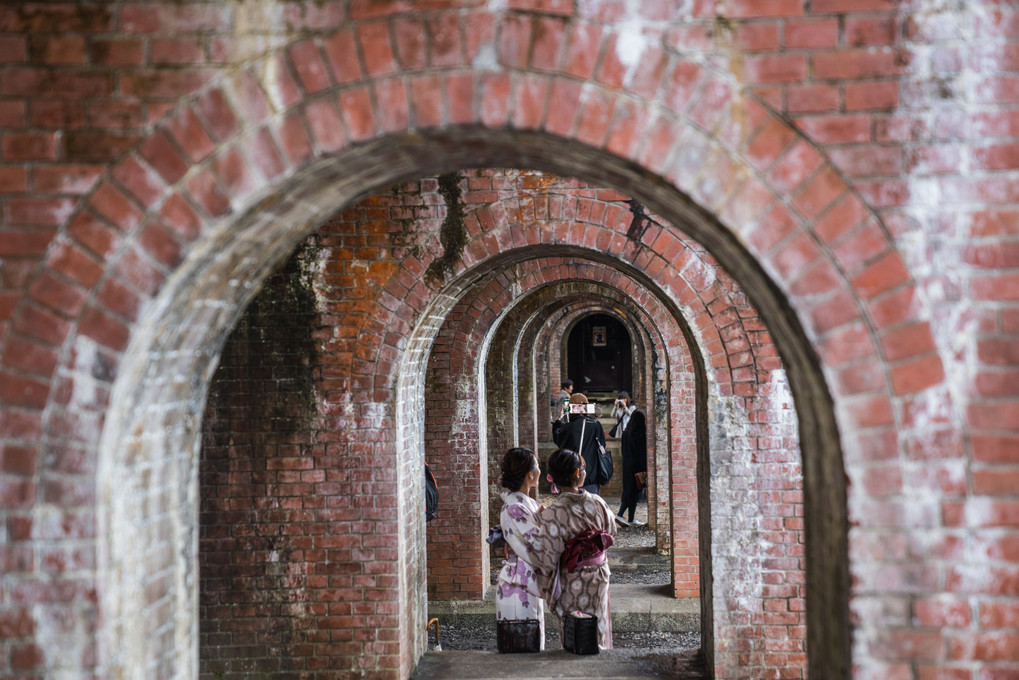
(89,146)
(160,153)
(176,51)
(67,49)
(117,51)
(878,198)
(28,146)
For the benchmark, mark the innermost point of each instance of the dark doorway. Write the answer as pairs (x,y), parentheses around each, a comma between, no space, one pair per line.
(598,356)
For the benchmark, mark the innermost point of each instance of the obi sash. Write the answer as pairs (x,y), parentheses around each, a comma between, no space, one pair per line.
(583,550)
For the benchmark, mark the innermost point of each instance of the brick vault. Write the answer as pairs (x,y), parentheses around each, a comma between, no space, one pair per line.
(256,262)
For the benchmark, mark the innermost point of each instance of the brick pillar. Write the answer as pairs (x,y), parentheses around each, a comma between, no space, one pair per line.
(454,449)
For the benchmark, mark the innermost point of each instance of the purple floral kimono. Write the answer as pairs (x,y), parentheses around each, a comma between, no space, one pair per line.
(517,593)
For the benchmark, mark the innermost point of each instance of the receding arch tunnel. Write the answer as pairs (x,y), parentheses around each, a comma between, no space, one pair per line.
(570,257)
(599,355)
(794,145)
(243,251)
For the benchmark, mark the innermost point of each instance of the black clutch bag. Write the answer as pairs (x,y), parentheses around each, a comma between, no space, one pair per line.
(580,634)
(513,637)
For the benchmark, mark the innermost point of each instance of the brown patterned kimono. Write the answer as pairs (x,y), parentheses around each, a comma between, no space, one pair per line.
(586,589)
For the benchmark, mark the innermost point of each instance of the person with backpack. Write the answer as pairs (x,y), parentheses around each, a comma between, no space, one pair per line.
(585,435)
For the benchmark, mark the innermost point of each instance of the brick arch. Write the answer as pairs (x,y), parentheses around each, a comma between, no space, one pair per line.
(178,445)
(603,220)
(669,396)
(516,336)
(455,368)
(585,296)
(487,309)
(552,372)
(129,238)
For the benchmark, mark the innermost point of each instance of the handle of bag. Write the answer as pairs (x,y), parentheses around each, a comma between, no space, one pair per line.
(583,424)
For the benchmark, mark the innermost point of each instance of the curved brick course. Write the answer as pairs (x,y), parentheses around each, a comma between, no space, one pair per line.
(848,164)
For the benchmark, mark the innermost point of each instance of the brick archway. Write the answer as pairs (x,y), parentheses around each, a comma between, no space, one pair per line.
(185,323)
(116,308)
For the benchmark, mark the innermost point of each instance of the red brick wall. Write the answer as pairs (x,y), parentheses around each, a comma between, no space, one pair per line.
(271,560)
(854,155)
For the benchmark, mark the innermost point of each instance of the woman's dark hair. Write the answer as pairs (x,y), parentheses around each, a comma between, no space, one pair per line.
(562,464)
(516,464)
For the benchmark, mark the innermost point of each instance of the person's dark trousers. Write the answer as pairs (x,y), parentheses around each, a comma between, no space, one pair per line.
(630,495)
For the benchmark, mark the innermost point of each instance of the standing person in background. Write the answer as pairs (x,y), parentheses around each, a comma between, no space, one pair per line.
(621,410)
(633,443)
(585,435)
(560,409)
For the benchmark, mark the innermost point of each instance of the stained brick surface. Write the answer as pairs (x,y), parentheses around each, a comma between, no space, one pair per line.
(858,150)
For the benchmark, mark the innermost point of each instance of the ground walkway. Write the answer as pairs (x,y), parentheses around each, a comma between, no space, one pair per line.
(618,664)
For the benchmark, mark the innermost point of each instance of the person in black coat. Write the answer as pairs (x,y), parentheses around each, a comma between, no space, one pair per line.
(634,453)
(593,435)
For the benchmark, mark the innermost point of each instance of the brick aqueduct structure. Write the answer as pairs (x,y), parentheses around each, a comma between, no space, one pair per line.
(260,257)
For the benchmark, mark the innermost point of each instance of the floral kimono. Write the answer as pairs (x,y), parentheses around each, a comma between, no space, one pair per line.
(586,588)
(517,594)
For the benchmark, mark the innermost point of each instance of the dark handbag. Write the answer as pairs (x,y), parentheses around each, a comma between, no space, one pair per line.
(604,465)
(580,633)
(496,539)
(641,479)
(615,428)
(513,637)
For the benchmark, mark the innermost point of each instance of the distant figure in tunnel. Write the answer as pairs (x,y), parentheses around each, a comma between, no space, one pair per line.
(585,435)
(560,409)
(518,597)
(633,445)
(622,407)
(579,528)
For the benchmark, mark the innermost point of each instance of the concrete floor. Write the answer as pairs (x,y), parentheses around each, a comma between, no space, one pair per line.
(618,664)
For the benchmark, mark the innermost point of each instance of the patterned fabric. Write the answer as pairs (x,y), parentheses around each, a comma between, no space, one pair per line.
(586,589)
(587,548)
(517,595)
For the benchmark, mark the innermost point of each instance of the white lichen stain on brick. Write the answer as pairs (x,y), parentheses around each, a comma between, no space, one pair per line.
(735,514)
(487,54)
(933,244)
(270,77)
(67,639)
(630,45)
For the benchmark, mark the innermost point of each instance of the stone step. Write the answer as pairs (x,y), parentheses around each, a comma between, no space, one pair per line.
(613,664)
(635,609)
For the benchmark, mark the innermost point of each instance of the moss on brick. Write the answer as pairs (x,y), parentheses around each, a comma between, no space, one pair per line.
(452,234)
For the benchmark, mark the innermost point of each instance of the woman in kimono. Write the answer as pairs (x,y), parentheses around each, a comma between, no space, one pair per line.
(517,594)
(578,529)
